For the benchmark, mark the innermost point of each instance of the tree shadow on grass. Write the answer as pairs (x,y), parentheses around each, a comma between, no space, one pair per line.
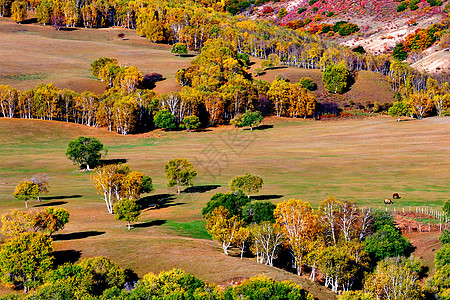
(260,127)
(65,256)
(157,201)
(56,203)
(76,235)
(114,161)
(200,189)
(60,197)
(266,197)
(150,224)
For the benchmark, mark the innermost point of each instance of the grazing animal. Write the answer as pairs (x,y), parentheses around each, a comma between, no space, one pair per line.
(396,196)
(388,201)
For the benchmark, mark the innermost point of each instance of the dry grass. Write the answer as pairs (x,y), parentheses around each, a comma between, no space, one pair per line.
(360,160)
(31,54)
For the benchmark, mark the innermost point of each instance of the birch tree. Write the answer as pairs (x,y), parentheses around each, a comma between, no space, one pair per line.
(222,227)
(266,237)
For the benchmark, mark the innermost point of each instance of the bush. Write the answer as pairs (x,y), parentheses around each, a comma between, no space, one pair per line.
(267,10)
(359,49)
(402,6)
(413,4)
(191,123)
(399,52)
(445,237)
(330,14)
(282,13)
(311,2)
(301,10)
(308,83)
(382,218)
(442,257)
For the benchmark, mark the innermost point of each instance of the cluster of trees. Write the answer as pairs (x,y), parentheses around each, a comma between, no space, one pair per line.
(339,241)
(32,188)
(434,100)
(100,278)
(46,221)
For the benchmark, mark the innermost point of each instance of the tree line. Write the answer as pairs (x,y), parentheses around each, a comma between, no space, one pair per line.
(358,252)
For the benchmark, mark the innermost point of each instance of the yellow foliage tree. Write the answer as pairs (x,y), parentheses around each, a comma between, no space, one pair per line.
(299,222)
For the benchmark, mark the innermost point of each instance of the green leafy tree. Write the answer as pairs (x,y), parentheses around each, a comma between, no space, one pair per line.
(233,202)
(445,237)
(179,172)
(165,120)
(247,183)
(85,152)
(446,208)
(191,123)
(127,210)
(440,282)
(399,52)
(336,77)
(308,83)
(382,218)
(386,242)
(24,260)
(251,119)
(258,211)
(179,48)
(25,191)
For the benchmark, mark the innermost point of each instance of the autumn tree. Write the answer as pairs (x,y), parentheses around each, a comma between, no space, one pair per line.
(127,210)
(336,77)
(16,222)
(420,104)
(25,191)
(179,172)
(42,181)
(279,94)
(105,273)
(273,60)
(18,11)
(25,259)
(43,12)
(266,238)
(85,152)
(394,279)
(328,214)
(248,183)
(51,219)
(223,227)
(299,223)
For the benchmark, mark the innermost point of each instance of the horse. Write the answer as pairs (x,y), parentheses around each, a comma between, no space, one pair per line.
(388,201)
(396,196)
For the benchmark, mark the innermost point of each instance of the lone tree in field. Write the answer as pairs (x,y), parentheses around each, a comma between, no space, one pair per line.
(85,152)
(25,191)
(180,172)
(249,118)
(25,259)
(41,180)
(247,183)
(127,210)
(190,123)
(335,78)
(179,48)
(165,120)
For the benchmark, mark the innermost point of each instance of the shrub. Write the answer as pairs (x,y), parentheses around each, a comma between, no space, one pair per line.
(359,49)
(402,6)
(311,2)
(399,52)
(413,4)
(282,13)
(445,237)
(386,242)
(301,10)
(308,83)
(330,14)
(267,10)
